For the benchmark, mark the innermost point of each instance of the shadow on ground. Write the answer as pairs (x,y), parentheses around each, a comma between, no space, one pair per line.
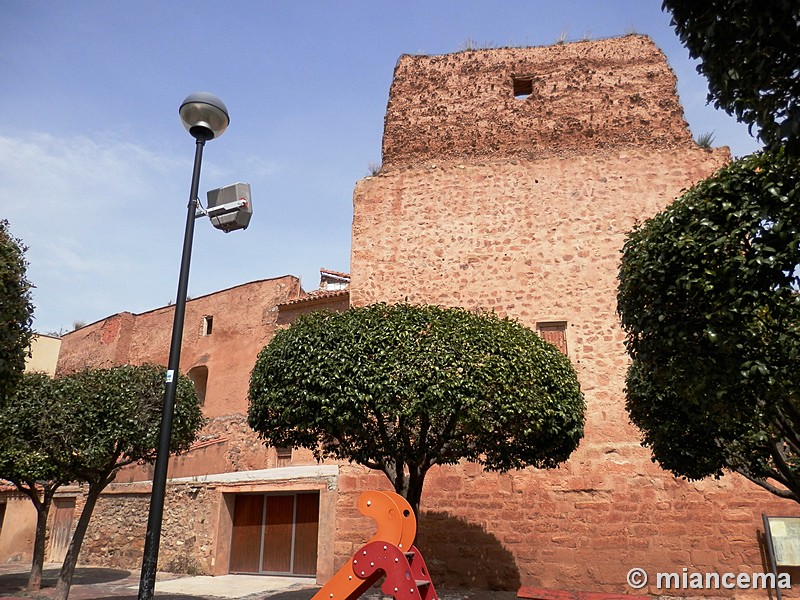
(12,583)
(134,596)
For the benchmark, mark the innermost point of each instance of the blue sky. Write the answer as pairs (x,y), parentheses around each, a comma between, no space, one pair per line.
(95,165)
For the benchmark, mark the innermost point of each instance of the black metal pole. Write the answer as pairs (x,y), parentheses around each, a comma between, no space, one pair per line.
(153,536)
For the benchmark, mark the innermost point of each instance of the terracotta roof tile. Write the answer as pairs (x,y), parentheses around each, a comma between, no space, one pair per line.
(316,295)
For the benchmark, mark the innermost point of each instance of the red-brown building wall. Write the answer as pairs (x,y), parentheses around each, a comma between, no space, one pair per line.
(243,321)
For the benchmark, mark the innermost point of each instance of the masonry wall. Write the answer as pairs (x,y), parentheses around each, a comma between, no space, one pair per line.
(491,209)
(198,512)
(532,102)
(244,320)
(18,526)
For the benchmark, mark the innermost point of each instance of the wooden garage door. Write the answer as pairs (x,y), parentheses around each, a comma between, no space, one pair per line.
(275,533)
(248,512)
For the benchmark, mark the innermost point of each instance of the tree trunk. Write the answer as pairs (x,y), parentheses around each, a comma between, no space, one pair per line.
(71,559)
(410,487)
(42,510)
(415,482)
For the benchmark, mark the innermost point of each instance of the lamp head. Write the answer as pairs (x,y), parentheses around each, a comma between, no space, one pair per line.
(204,116)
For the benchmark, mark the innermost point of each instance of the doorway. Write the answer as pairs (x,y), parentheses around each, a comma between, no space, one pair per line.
(275,534)
(62,528)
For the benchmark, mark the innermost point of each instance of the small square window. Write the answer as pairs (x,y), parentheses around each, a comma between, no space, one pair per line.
(523,87)
(208,325)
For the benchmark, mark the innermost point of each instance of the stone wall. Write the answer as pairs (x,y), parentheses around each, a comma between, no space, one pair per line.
(490,204)
(116,533)
(244,320)
(532,102)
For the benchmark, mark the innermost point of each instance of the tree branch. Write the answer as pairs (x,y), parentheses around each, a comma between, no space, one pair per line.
(445,435)
(786,428)
(780,492)
(792,481)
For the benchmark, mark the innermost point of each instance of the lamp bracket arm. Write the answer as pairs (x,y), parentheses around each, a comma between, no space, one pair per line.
(199,210)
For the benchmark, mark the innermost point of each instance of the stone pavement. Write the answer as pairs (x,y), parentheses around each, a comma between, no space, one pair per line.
(100,583)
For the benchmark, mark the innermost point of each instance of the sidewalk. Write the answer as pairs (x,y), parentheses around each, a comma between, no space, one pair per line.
(100,583)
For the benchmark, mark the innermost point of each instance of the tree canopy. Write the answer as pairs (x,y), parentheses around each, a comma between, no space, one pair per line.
(748,53)
(31,441)
(16,310)
(33,455)
(709,296)
(116,416)
(85,427)
(402,388)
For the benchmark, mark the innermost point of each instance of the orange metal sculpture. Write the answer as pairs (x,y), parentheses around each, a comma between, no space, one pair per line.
(390,552)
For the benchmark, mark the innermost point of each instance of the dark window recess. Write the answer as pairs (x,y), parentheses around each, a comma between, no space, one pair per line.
(555,333)
(523,87)
(208,325)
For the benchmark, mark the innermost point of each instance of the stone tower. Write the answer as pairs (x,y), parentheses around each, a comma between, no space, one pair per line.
(510,178)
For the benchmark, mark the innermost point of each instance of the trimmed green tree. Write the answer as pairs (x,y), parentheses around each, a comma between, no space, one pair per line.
(34,455)
(748,53)
(709,297)
(16,311)
(106,419)
(402,388)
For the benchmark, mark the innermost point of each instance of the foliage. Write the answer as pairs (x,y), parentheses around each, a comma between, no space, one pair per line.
(748,53)
(704,140)
(117,416)
(85,427)
(401,388)
(32,445)
(708,296)
(16,310)
(33,452)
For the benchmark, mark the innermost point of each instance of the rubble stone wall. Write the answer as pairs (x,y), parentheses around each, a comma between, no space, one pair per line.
(521,206)
(532,102)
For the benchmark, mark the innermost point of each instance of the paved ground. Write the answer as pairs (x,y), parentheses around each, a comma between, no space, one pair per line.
(98,583)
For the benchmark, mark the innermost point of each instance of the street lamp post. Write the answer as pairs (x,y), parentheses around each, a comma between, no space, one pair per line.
(205,117)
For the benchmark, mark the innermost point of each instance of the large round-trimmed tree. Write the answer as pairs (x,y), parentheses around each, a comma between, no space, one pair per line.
(709,296)
(402,388)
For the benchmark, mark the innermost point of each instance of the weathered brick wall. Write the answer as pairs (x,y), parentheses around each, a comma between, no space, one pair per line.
(474,215)
(104,343)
